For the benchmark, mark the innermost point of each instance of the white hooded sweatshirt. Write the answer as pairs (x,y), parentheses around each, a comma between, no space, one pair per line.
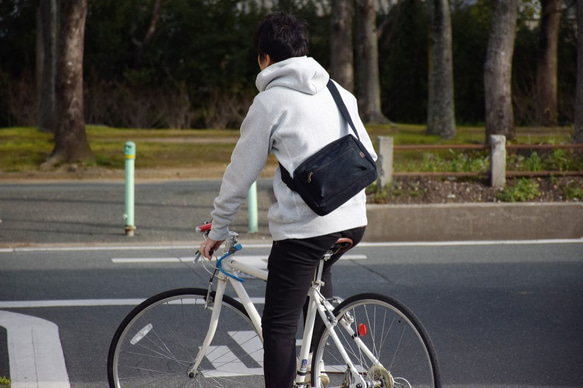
(293,116)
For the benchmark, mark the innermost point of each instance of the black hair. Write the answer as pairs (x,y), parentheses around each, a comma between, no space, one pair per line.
(282,36)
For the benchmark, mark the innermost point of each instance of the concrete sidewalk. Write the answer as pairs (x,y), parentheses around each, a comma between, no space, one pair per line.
(87,213)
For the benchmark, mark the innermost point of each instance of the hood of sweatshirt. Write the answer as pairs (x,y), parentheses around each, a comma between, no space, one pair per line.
(303,74)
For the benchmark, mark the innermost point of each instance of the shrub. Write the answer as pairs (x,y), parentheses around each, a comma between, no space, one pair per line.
(524,190)
(572,192)
(4,382)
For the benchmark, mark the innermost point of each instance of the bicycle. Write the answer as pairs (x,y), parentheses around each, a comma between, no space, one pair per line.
(195,337)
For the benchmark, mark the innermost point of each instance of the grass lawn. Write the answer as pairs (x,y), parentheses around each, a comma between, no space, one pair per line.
(23,149)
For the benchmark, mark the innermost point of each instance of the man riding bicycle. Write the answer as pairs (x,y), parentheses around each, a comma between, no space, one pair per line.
(293,116)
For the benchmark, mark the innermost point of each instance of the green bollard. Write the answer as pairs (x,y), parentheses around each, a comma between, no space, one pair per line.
(252,208)
(130,157)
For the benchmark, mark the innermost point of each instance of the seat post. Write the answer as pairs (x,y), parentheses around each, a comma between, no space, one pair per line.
(318,273)
(341,245)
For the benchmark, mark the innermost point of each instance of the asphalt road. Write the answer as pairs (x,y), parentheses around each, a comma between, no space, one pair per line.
(500,314)
(92,212)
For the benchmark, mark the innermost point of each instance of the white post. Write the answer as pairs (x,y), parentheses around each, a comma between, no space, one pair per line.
(498,161)
(385,161)
(130,157)
(252,208)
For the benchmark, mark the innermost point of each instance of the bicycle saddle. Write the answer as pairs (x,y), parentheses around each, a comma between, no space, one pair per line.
(341,245)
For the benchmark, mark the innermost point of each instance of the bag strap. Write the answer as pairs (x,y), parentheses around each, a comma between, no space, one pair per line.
(287,179)
(336,94)
(285,175)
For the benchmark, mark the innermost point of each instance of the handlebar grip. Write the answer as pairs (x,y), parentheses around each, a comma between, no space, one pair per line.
(204,228)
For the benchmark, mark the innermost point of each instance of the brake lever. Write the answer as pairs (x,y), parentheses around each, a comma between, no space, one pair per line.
(198,255)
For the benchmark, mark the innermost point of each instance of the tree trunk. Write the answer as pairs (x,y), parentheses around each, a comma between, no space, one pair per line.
(341,49)
(71,142)
(48,66)
(547,112)
(440,109)
(578,137)
(369,90)
(140,46)
(40,53)
(498,70)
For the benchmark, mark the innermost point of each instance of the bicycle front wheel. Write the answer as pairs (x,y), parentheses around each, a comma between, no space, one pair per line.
(157,343)
(385,341)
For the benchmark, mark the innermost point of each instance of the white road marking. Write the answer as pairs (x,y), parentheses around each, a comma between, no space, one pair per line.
(250,343)
(475,242)
(258,261)
(35,353)
(133,260)
(226,363)
(251,244)
(24,304)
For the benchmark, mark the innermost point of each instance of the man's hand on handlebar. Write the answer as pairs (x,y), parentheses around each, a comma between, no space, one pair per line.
(208,247)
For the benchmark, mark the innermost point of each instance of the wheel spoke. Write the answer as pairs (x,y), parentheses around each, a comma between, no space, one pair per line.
(393,335)
(159,340)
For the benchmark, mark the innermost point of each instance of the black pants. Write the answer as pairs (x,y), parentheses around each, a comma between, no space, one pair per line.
(291,267)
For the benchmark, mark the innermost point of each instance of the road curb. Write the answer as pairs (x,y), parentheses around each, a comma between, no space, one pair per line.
(481,221)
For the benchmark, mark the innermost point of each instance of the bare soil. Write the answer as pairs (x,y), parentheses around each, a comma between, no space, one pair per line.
(423,190)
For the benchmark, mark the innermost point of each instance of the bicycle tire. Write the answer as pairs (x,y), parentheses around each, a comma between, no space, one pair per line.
(392,332)
(159,339)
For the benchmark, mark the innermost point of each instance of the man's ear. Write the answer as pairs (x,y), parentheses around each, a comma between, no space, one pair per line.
(264,61)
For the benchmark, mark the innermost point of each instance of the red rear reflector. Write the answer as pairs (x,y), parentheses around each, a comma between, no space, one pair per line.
(362,330)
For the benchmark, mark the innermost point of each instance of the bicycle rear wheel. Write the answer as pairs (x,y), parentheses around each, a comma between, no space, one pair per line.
(158,341)
(391,332)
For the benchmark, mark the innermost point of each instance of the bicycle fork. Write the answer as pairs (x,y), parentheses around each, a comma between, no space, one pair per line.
(214,321)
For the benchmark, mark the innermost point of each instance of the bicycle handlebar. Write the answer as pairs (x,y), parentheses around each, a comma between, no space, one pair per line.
(204,228)
(232,245)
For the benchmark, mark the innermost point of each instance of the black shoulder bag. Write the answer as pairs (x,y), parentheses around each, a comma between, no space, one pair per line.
(336,173)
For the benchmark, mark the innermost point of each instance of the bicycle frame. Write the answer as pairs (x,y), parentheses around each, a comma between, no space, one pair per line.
(227,265)
(231,265)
